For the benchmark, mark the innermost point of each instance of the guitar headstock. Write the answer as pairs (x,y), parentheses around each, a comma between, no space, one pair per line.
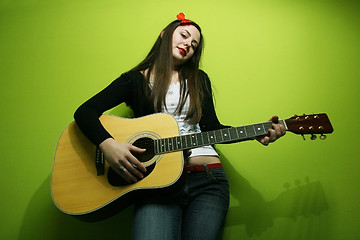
(310,124)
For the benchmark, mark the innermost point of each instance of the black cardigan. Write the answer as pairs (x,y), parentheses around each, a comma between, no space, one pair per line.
(130,88)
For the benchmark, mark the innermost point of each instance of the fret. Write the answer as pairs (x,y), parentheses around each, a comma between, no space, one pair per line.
(156,142)
(159,145)
(212,137)
(188,141)
(193,140)
(218,135)
(205,138)
(199,139)
(241,132)
(226,134)
(166,144)
(208,137)
(162,143)
(282,122)
(178,143)
(191,137)
(233,134)
(174,144)
(171,144)
(259,129)
(166,148)
(267,126)
(183,142)
(250,131)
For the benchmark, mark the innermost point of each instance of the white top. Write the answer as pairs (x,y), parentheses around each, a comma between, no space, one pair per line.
(172,100)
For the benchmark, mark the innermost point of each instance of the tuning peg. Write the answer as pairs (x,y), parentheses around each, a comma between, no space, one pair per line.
(323,137)
(313,137)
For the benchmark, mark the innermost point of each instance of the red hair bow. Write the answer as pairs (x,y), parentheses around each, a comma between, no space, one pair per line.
(181,17)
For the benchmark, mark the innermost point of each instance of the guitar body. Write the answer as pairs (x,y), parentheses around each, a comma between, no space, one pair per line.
(77,190)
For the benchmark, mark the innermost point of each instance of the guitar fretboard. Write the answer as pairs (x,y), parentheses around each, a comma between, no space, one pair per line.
(224,135)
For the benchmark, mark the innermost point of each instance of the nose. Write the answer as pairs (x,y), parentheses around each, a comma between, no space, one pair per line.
(187,43)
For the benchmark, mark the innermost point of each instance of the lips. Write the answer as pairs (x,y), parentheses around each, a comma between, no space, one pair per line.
(182,51)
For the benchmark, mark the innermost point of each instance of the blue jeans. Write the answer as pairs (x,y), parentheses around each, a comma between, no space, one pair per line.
(199,212)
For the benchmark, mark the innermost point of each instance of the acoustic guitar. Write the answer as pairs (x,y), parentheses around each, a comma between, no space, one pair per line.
(83,184)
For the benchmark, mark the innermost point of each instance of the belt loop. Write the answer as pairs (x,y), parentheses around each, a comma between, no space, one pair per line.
(206,169)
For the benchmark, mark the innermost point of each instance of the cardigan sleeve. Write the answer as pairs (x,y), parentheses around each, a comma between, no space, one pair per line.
(209,120)
(87,115)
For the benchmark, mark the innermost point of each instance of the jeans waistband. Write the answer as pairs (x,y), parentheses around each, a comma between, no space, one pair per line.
(203,168)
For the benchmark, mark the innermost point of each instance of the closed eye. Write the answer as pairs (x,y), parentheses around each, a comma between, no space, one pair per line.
(187,35)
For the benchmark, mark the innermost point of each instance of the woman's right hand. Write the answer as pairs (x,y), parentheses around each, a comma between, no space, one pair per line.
(120,158)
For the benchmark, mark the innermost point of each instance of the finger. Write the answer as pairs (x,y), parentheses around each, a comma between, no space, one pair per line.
(133,160)
(272,135)
(283,130)
(132,170)
(264,140)
(280,130)
(121,171)
(277,130)
(187,153)
(127,175)
(274,119)
(136,149)
(134,165)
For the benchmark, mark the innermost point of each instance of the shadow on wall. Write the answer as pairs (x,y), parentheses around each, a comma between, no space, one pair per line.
(257,215)
(42,220)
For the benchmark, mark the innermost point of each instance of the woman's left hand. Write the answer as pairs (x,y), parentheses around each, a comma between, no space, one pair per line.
(275,132)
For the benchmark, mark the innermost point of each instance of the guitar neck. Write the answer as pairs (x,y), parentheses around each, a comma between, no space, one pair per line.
(224,135)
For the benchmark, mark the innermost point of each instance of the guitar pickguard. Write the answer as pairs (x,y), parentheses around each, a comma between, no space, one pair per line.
(116,180)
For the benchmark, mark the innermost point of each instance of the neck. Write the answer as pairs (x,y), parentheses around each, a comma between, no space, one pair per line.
(175,76)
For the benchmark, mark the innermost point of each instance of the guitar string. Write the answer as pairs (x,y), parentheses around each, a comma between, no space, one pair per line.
(150,143)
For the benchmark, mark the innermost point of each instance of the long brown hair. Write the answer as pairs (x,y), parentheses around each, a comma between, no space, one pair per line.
(159,65)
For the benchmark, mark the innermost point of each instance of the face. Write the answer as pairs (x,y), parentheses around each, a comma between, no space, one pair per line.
(184,42)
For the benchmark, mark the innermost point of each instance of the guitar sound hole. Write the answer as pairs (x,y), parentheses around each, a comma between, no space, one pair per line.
(144,143)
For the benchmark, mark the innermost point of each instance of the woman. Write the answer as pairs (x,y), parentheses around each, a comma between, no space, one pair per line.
(169,80)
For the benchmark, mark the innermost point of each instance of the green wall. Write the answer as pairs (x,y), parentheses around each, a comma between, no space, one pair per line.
(264,58)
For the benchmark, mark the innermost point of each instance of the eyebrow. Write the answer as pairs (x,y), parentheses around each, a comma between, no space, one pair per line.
(190,36)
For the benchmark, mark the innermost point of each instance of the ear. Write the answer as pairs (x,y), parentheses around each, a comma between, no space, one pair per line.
(162,33)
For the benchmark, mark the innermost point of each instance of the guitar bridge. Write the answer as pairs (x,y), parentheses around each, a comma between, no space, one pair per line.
(99,162)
